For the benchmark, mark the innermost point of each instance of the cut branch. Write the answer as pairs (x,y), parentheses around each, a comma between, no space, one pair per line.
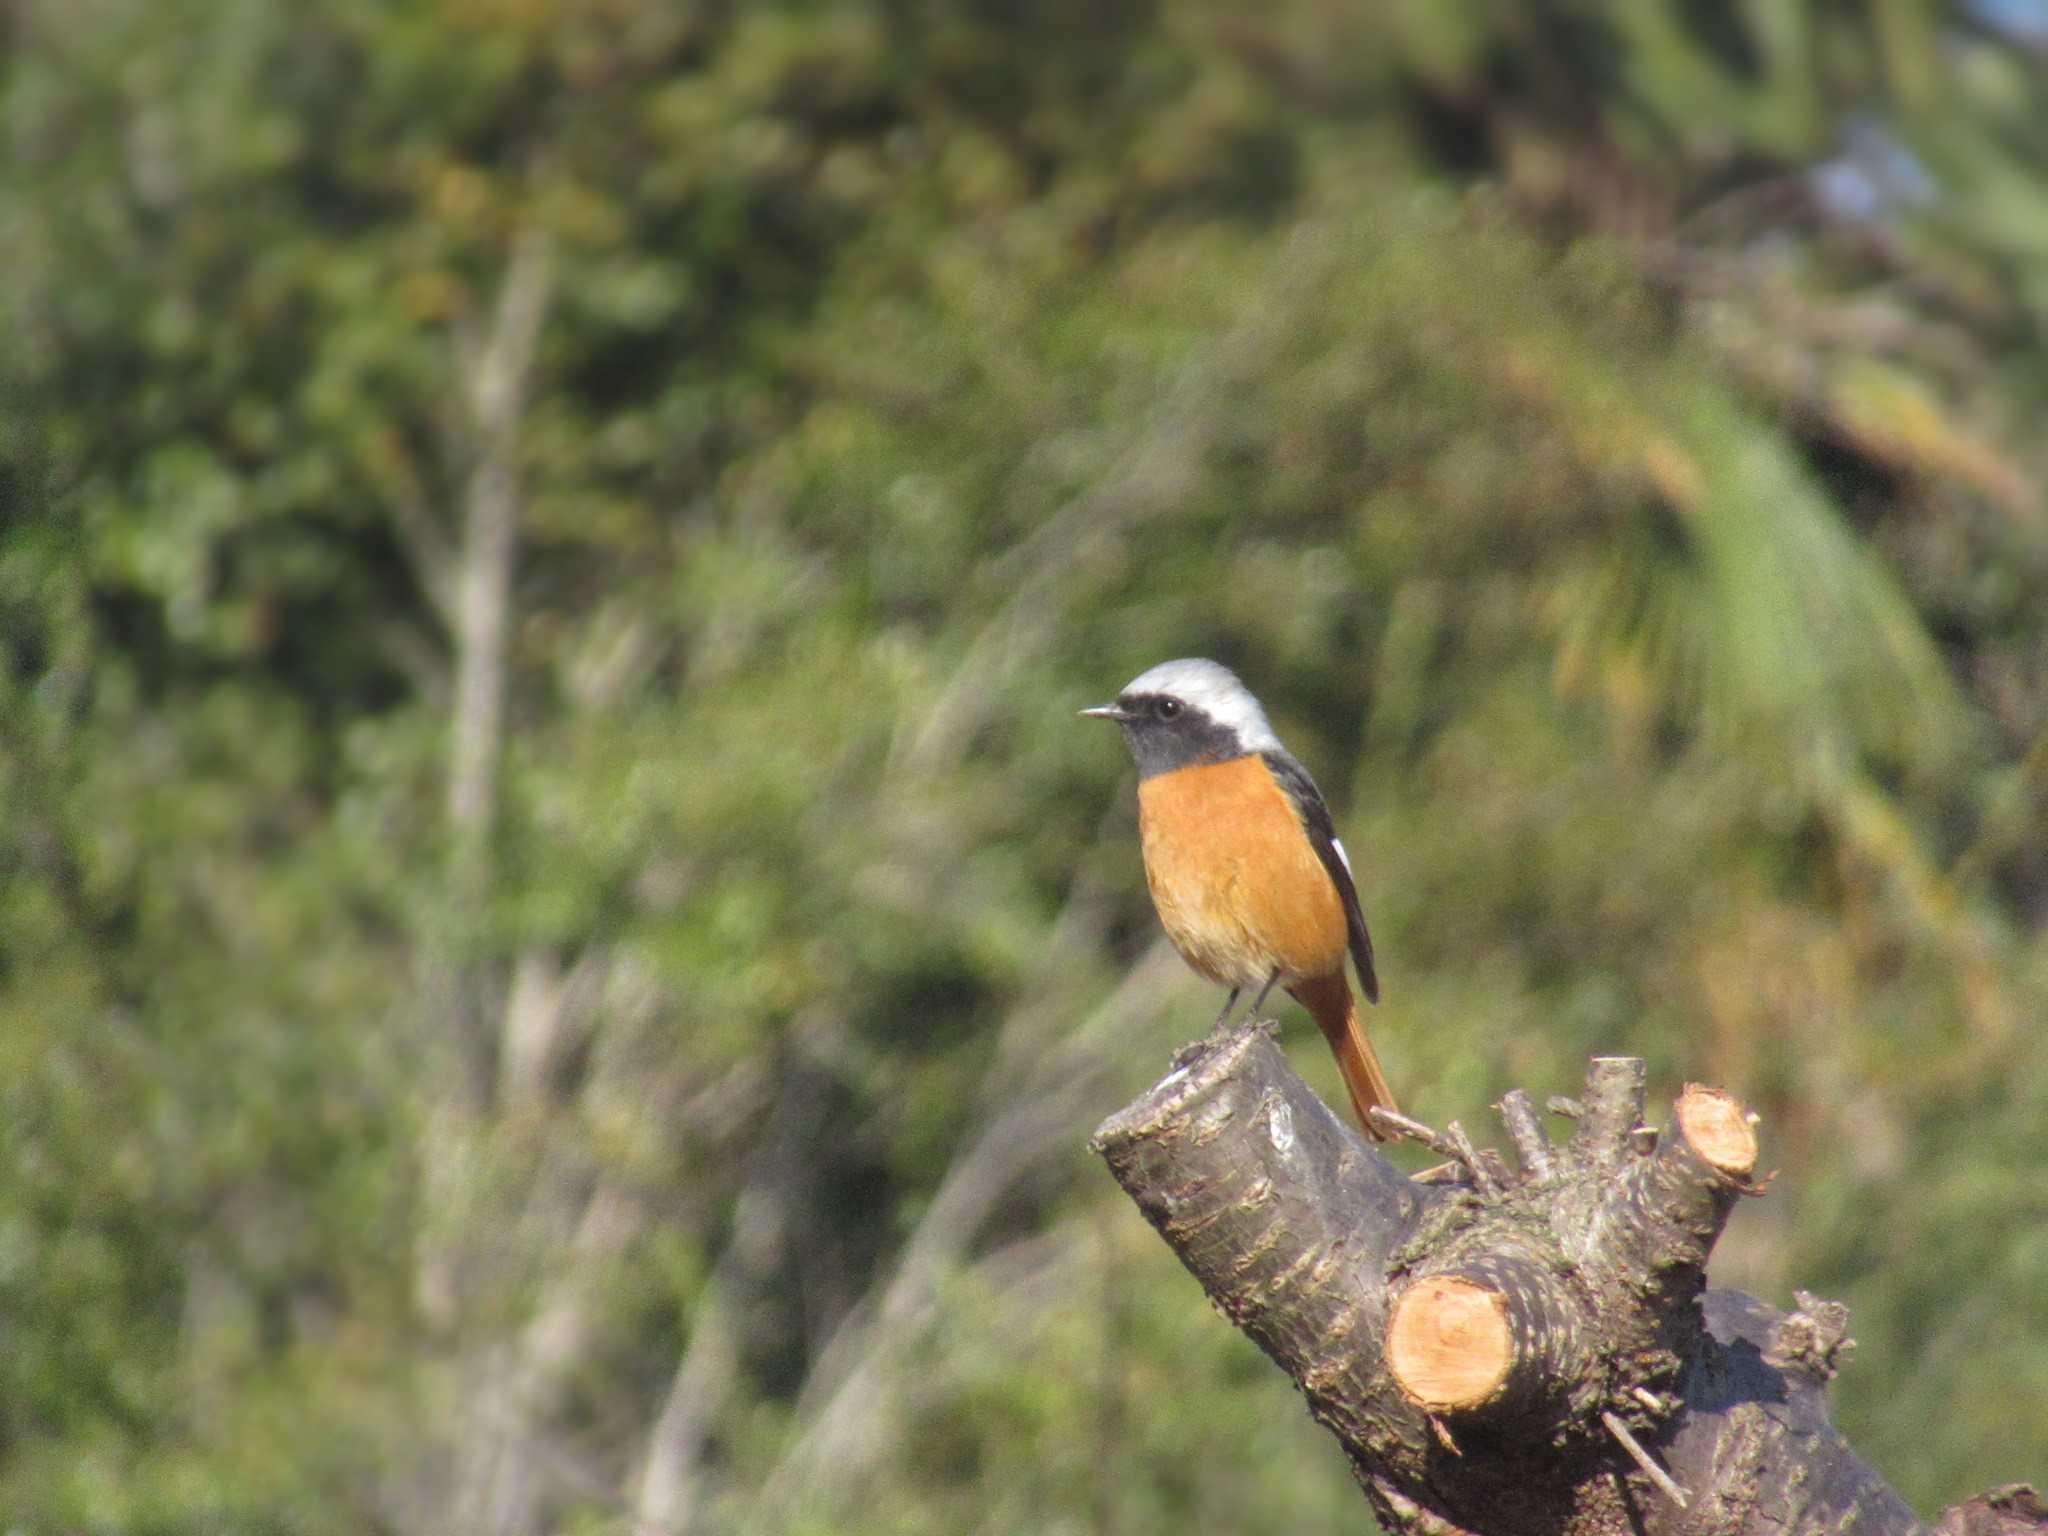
(1508,1352)
(1491,1336)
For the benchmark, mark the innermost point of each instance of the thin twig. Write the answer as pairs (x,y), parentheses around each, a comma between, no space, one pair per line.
(1451,1142)
(1394,1123)
(1651,1470)
(1483,1177)
(1532,1147)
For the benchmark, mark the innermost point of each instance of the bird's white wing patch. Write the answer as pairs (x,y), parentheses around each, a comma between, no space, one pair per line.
(1342,857)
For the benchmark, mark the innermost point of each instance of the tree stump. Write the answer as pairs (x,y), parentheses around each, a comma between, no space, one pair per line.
(1507,1349)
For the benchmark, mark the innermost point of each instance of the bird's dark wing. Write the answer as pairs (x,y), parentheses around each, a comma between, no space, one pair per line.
(1322,833)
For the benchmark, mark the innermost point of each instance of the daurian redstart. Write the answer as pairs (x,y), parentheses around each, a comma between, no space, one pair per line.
(1243,860)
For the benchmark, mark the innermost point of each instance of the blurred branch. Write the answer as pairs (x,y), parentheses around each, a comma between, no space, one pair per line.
(493,1486)
(1033,1098)
(547,1010)
(502,1483)
(672,1477)
(497,375)
(848,1412)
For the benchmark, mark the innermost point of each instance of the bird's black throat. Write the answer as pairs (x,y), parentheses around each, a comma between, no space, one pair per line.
(1186,739)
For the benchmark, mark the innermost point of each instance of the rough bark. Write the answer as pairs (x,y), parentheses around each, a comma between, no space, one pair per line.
(1499,1349)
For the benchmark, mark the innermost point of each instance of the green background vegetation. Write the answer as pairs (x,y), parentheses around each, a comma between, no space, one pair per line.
(559,939)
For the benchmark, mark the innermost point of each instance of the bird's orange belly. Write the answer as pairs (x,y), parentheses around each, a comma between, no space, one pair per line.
(1236,881)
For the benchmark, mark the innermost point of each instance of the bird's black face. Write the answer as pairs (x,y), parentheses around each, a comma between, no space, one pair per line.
(1165,732)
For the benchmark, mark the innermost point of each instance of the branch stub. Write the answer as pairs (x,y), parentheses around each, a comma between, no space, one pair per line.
(1448,1344)
(1719,1130)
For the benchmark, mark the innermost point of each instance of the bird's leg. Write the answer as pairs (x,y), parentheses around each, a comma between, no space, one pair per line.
(1229,1003)
(1261,1001)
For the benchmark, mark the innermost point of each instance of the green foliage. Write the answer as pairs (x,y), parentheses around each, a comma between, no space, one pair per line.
(1603,435)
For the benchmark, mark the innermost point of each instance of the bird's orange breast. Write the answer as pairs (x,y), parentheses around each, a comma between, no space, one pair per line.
(1238,885)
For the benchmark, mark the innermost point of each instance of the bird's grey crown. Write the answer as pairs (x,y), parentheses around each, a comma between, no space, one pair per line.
(1215,691)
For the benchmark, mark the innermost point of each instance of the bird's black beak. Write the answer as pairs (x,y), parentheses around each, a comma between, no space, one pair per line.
(1114,712)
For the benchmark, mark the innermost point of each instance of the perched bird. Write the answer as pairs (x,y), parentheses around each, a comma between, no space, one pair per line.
(1243,860)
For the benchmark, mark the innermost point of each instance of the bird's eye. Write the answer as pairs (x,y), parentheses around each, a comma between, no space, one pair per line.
(1166,709)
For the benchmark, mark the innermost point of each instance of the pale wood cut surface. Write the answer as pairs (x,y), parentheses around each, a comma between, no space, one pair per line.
(1448,1343)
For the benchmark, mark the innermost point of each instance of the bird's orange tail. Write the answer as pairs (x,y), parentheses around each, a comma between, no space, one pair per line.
(1329,1000)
